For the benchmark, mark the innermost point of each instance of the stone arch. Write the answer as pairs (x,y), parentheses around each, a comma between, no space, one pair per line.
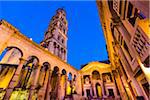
(43,74)
(28,72)
(95,75)
(47,65)
(10,60)
(17,49)
(54,83)
(64,72)
(27,78)
(33,57)
(11,55)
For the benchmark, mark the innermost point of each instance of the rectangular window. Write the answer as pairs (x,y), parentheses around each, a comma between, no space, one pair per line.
(146,62)
(125,9)
(129,13)
(120,7)
(87,92)
(131,18)
(111,93)
(127,50)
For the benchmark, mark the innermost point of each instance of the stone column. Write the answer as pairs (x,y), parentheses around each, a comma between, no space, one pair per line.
(63,86)
(66,80)
(64,55)
(91,86)
(48,87)
(82,83)
(51,47)
(42,91)
(114,81)
(60,54)
(102,85)
(55,47)
(121,87)
(59,87)
(78,84)
(14,79)
(56,50)
(33,86)
(114,78)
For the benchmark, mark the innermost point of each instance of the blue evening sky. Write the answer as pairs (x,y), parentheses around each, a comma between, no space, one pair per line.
(86,41)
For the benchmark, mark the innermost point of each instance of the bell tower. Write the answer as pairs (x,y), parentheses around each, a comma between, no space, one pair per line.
(55,38)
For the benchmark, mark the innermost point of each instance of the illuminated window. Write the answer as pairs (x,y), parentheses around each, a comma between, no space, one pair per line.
(95,75)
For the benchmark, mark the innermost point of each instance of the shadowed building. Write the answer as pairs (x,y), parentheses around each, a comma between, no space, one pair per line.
(125,25)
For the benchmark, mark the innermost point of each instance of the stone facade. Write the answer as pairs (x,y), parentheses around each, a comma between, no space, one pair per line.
(98,81)
(32,71)
(125,25)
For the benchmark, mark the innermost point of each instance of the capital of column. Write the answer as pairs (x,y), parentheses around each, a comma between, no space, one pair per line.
(22,60)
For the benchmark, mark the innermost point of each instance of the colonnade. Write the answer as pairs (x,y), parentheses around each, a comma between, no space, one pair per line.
(33,80)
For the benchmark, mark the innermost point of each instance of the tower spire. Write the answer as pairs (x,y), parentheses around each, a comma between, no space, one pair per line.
(55,38)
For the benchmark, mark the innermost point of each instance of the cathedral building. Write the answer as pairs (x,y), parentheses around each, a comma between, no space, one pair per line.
(31,71)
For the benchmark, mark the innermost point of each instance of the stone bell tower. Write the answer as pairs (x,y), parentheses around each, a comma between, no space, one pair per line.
(55,38)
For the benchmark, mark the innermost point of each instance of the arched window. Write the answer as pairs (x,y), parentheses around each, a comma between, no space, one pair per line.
(95,75)
(8,65)
(70,77)
(11,55)
(74,78)
(63,72)
(107,77)
(26,79)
